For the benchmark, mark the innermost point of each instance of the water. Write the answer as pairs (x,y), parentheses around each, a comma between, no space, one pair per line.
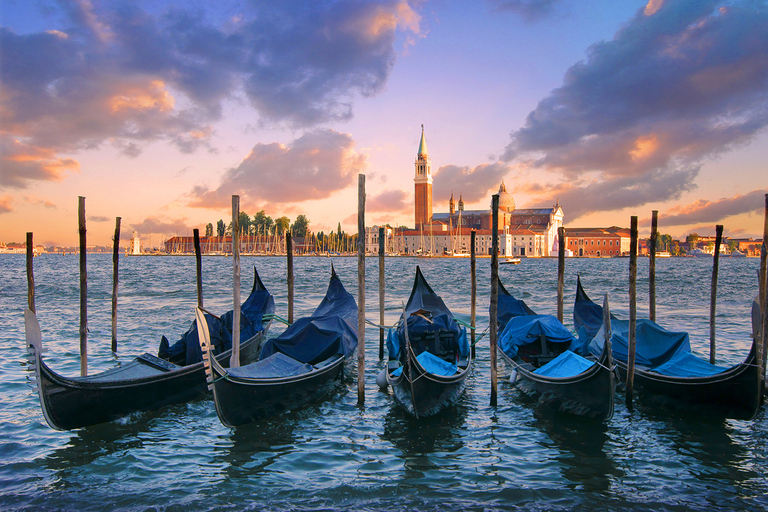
(335,455)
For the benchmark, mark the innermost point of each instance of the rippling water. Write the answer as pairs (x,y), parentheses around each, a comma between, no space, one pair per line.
(336,455)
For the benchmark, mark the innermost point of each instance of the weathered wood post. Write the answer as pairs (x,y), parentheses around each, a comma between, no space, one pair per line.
(83,289)
(198,268)
(361,290)
(560,271)
(234,361)
(607,331)
(473,289)
(494,291)
(713,296)
(289,265)
(30,274)
(764,295)
(652,266)
(115,274)
(381,292)
(632,311)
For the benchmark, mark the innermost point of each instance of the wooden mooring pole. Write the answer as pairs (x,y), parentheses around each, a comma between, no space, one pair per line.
(290,278)
(381,292)
(560,271)
(234,361)
(361,290)
(198,268)
(473,288)
(115,276)
(632,311)
(652,266)
(494,292)
(713,296)
(83,289)
(30,274)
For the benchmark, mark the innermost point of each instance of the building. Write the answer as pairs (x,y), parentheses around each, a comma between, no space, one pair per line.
(531,231)
(134,245)
(423,184)
(597,242)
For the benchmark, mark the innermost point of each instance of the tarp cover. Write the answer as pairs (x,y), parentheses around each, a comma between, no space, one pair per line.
(587,314)
(688,365)
(433,365)
(524,330)
(432,316)
(276,365)
(259,303)
(510,307)
(330,330)
(566,364)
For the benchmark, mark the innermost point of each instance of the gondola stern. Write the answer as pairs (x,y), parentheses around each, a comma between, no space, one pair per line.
(37,367)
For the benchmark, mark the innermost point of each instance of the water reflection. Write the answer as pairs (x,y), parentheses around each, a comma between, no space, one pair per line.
(581,445)
(253,449)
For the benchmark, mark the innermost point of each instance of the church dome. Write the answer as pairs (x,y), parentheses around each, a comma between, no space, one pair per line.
(506,202)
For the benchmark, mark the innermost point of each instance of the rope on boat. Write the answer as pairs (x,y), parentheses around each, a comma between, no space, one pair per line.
(276,317)
(482,335)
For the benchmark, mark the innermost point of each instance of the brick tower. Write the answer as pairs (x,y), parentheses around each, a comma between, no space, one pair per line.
(423,184)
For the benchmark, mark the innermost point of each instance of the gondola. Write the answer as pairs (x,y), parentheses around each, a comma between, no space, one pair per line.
(147,382)
(547,362)
(429,358)
(667,373)
(301,366)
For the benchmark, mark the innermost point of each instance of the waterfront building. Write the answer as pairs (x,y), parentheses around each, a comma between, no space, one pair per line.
(134,245)
(597,242)
(423,184)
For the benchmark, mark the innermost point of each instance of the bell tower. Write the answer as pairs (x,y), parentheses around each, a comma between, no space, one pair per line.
(423,184)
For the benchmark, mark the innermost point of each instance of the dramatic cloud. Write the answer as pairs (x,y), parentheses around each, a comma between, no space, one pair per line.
(5,204)
(683,81)
(715,211)
(313,166)
(98,218)
(157,226)
(389,201)
(473,184)
(114,72)
(530,10)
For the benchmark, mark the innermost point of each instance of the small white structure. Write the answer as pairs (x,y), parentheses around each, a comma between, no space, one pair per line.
(134,248)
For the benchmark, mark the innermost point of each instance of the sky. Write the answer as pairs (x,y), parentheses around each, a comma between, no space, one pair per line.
(159,111)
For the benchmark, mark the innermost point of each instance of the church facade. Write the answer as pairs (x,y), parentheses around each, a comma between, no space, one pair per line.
(526,231)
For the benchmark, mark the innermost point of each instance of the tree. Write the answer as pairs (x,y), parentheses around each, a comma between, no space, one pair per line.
(666,242)
(282,224)
(692,239)
(733,245)
(221,228)
(245,223)
(300,226)
(209,229)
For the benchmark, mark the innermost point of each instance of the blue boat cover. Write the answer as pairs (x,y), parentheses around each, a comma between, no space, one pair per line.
(566,364)
(657,349)
(510,307)
(330,330)
(587,314)
(524,330)
(433,365)
(259,303)
(425,313)
(274,366)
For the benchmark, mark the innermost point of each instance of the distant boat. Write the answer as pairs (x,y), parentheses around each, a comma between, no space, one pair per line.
(698,253)
(511,261)
(737,254)
(663,254)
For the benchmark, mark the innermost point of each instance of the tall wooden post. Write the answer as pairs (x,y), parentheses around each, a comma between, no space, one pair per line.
(83,289)
(560,271)
(289,264)
(632,311)
(381,292)
(30,274)
(494,291)
(473,289)
(764,295)
(115,274)
(713,296)
(198,268)
(234,361)
(361,290)
(652,266)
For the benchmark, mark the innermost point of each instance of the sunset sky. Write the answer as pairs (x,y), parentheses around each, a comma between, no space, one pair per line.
(159,111)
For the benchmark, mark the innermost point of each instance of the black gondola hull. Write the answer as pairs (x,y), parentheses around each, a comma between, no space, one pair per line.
(239,401)
(589,394)
(731,394)
(70,403)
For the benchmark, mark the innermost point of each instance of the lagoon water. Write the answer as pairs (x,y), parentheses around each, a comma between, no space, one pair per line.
(334,455)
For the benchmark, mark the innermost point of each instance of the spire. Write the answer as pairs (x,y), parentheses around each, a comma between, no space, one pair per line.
(461,204)
(451,205)
(423,144)
(502,187)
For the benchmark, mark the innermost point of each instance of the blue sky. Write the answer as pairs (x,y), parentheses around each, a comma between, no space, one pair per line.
(158,112)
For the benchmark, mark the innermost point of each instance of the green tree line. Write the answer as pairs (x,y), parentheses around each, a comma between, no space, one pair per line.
(261,224)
